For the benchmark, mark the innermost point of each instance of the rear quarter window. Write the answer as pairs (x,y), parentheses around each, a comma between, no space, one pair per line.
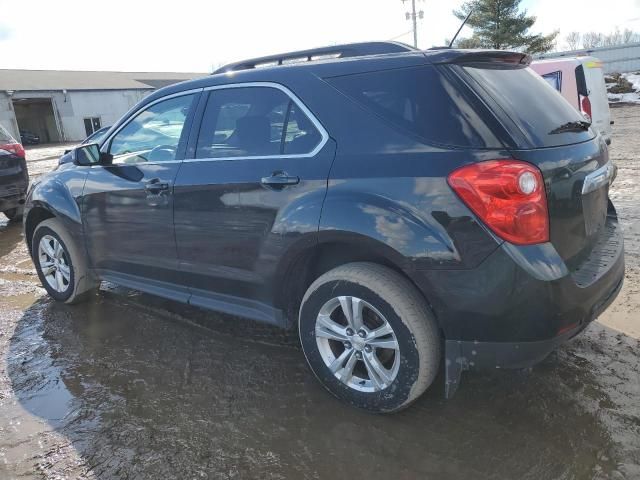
(422,101)
(528,101)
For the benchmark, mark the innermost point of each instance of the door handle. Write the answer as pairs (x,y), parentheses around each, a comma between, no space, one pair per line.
(155,186)
(279,180)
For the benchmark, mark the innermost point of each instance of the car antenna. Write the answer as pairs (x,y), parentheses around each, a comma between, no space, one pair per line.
(458,32)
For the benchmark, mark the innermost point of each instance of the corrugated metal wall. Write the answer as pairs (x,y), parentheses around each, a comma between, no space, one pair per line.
(620,58)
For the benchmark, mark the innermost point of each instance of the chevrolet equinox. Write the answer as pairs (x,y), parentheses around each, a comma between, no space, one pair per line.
(401,209)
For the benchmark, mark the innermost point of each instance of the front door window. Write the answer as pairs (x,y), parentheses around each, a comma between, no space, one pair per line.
(153,135)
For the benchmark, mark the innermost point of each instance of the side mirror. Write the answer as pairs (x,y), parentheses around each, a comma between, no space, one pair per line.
(89,154)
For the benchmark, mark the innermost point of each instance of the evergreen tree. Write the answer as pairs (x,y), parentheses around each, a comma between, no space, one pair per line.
(500,24)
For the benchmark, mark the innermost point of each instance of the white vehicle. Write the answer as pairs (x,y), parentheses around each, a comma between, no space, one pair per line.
(581,81)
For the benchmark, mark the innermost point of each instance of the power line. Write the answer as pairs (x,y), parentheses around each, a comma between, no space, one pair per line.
(401,35)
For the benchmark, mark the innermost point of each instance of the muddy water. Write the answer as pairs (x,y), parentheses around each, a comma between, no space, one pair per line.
(130,386)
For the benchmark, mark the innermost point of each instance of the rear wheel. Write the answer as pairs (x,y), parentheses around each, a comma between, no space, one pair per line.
(14,214)
(61,266)
(369,337)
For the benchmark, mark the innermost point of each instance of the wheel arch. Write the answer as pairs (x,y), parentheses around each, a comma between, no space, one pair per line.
(40,212)
(304,266)
(51,198)
(35,216)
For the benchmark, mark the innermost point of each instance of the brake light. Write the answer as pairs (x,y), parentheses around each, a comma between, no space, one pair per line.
(14,148)
(508,196)
(585,106)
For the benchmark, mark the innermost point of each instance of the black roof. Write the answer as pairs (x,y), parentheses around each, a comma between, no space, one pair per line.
(340,60)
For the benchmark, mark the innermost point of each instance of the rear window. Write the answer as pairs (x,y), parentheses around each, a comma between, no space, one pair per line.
(423,101)
(4,135)
(531,103)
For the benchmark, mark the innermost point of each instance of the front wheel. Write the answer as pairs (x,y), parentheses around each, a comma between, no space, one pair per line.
(60,265)
(369,337)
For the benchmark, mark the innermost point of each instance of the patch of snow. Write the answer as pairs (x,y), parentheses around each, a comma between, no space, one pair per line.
(634,79)
(624,97)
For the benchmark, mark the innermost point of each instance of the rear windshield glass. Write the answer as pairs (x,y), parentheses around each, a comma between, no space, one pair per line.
(4,135)
(532,104)
(422,101)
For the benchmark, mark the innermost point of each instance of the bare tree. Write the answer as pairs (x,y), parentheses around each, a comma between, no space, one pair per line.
(629,36)
(613,38)
(592,40)
(573,40)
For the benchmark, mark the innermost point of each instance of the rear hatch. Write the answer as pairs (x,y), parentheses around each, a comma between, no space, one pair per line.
(545,130)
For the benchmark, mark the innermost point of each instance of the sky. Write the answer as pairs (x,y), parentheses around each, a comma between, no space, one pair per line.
(197,36)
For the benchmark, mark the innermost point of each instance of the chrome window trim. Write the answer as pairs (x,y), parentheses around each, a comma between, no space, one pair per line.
(292,96)
(107,141)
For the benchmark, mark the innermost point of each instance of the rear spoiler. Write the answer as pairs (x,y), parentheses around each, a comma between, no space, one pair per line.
(447,55)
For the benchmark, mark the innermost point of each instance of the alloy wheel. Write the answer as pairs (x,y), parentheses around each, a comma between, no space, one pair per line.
(54,263)
(357,343)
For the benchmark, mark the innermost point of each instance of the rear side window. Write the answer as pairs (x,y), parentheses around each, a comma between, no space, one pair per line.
(422,101)
(528,101)
(254,122)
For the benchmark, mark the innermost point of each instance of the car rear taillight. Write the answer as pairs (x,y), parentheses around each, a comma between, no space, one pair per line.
(14,148)
(508,196)
(585,106)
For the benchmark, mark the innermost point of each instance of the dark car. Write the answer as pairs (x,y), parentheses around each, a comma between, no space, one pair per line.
(14,178)
(29,138)
(402,209)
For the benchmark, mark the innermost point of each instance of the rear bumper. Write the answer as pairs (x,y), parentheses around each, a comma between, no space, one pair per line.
(12,201)
(485,355)
(522,302)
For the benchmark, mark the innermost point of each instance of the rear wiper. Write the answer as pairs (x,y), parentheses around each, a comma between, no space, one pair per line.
(576,126)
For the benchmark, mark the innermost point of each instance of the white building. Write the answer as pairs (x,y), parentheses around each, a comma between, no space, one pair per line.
(67,106)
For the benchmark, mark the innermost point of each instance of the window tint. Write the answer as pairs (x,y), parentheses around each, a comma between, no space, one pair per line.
(254,121)
(301,135)
(527,100)
(554,79)
(422,101)
(154,134)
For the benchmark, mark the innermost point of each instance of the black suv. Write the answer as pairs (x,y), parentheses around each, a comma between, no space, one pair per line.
(400,208)
(14,178)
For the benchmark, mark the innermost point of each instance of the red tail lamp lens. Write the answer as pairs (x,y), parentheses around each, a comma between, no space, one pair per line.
(508,196)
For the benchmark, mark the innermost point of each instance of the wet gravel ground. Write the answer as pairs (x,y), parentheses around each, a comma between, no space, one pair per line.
(131,386)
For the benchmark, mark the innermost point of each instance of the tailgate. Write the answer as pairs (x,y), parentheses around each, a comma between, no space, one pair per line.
(577,181)
(547,131)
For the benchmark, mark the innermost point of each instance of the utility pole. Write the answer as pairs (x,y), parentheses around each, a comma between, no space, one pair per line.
(413,16)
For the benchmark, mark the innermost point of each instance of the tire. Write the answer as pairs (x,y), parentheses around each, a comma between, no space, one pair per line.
(14,214)
(410,364)
(77,282)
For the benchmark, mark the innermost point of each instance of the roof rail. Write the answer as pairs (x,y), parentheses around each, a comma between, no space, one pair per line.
(335,51)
